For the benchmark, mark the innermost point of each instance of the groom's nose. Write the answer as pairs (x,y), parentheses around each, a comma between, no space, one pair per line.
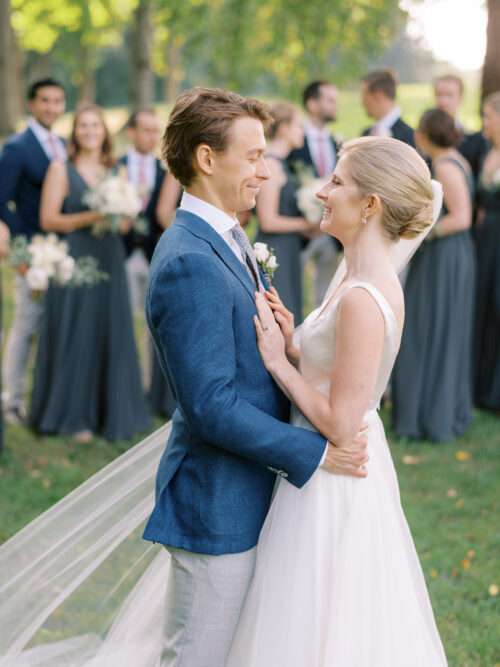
(262,169)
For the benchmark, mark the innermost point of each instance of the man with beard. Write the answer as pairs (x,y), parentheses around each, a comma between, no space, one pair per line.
(319,154)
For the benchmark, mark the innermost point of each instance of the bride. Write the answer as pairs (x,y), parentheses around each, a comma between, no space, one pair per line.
(337,581)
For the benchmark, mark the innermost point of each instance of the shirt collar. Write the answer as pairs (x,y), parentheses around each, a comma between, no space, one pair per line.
(135,155)
(215,217)
(388,120)
(41,132)
(315,132)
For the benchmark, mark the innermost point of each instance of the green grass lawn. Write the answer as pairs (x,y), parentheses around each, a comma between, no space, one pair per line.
(451,492)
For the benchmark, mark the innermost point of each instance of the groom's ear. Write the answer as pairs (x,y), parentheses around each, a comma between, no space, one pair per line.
(204,159)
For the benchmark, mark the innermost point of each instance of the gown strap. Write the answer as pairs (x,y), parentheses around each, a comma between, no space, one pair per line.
(391,323)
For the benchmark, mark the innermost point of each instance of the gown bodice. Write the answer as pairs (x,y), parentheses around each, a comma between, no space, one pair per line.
(316,340)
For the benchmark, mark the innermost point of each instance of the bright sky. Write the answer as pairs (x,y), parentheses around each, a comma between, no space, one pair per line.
(454,30)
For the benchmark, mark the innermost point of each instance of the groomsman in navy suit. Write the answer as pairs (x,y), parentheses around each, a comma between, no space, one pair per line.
(146,172)
(378,95)
(319,153)
(448,93)
(23,164)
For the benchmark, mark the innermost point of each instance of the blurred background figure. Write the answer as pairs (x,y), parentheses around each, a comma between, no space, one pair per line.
(4,252)
(145,171)
(281,224)
(378,96)
(449,92)
(87,378)
(168,201)
(487,343)
(319,153)
(24,161)
(432,379)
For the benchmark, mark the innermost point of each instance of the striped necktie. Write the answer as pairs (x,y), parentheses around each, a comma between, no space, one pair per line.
(248,254)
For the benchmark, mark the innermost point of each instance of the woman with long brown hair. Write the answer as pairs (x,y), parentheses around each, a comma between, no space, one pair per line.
(87,378)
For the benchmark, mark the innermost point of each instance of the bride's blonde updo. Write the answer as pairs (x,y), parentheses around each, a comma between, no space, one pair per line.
(399,176)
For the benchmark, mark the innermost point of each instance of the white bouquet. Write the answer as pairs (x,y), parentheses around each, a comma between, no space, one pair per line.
(115,197)
(266,258)
(46,259)
(309,205)
(495,179)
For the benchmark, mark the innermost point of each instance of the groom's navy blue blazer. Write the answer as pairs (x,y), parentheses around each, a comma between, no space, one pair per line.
(230,435)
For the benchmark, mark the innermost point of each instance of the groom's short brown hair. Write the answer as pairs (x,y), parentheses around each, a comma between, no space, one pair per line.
(204,116)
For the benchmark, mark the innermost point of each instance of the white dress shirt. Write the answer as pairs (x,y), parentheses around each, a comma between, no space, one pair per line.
(319,139)
(220,221)
(382,127)
(52,145)
(145,161)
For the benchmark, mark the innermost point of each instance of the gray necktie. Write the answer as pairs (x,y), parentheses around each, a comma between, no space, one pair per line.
(248,254)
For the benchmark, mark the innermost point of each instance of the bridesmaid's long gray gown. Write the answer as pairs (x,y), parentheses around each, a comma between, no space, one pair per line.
(432,379)
(487,332)
(87,368)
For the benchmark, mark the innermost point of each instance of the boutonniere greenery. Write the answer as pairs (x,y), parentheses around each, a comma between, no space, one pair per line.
(266,259)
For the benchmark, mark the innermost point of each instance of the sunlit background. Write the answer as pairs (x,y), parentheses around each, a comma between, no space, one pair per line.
(454,30)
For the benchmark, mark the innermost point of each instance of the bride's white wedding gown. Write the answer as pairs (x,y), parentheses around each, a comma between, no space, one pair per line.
(338,582)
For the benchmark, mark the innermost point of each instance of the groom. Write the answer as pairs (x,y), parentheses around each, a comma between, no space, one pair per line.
(230,436)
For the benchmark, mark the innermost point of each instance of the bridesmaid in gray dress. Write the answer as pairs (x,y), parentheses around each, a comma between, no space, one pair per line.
(87,377)
(432,379)
(281,224)
(487,342)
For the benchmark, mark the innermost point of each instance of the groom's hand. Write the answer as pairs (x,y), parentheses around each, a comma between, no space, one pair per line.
(348,460)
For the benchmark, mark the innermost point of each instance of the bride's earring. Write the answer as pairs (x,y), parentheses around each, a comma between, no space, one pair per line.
(364,219)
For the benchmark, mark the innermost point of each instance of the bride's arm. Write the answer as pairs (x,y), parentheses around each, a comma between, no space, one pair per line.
(359,340)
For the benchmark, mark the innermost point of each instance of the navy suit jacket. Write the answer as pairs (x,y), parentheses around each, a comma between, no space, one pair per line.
(400,130)
(23,165)
(474,147)
(230,435)
(149,240)
(303,154)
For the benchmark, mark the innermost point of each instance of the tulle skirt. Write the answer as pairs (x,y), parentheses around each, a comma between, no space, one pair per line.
(338,582)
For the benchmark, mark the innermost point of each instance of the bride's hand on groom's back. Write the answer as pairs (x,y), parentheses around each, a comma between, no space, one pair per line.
(349,460)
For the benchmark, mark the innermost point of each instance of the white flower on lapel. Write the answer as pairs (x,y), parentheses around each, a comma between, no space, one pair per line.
(266,258)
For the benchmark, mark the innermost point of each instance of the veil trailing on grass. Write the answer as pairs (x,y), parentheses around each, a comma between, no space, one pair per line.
(79,586)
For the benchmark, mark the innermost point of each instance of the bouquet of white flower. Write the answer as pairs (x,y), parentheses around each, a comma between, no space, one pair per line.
(266,258)
(46,259)
(115,198)
(309,205)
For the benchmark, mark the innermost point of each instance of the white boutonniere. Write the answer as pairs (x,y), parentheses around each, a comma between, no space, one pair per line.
(266,259)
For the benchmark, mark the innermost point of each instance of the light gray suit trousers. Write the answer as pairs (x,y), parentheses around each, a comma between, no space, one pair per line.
(205,596)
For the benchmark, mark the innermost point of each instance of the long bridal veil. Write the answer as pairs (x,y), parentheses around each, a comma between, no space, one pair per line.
(78,585)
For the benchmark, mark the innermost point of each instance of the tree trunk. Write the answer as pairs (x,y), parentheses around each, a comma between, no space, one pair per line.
(491,69)
(8,91)
(86,77)
(41,67)
(174,72)
(143,77)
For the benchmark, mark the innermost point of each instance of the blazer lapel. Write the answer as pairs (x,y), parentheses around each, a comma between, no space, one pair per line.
(198,227)
(42,155)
